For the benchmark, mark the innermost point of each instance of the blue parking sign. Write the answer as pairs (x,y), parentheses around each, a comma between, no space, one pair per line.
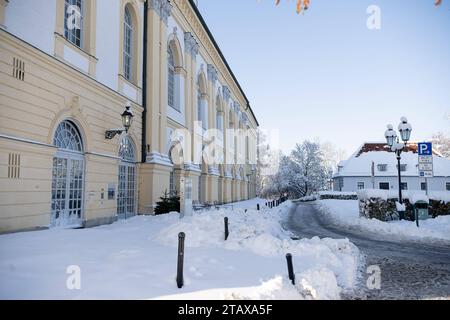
(425,149)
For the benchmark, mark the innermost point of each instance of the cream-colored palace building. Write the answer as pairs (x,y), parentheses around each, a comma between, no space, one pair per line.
(68,68)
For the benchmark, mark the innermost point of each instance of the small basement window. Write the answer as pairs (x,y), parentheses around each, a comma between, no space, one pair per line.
(384,186)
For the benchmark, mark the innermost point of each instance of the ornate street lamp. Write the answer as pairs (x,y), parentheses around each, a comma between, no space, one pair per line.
(393,141)
(127,121)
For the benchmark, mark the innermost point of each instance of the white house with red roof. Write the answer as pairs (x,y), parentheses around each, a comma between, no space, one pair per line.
(374,166)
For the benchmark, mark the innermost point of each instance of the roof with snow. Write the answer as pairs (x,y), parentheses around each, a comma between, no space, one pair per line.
(360,163)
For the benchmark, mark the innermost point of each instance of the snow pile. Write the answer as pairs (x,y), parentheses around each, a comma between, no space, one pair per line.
(413,196)
(346,213)
(400,206)
(136,259)
(261,233)
(336,193)
(310,285)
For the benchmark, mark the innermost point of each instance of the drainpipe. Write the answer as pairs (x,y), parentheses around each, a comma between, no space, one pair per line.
(144,87)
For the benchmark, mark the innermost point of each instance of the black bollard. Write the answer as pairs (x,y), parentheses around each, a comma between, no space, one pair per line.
(180,280)
(257,207)
(290,268)
(226,228)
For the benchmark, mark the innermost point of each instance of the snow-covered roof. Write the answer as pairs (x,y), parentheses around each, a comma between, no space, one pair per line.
(360,163)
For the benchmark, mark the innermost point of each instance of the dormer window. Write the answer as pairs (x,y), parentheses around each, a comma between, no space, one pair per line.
(402,167)
(382,167)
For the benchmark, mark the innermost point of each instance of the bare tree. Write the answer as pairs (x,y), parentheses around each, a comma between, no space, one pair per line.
(442,144)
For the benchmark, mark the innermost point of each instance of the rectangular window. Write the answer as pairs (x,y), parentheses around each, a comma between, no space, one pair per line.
(382,167)
(404,186)
(384,186)
(73,22)
(172,183)
(447,186)
(361,185)
(341,184)
(171,87)
(423,186)
(402,167)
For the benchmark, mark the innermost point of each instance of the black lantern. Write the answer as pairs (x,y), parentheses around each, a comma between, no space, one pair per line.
(127,120)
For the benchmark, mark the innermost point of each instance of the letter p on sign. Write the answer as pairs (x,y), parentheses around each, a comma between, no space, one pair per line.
(425,149)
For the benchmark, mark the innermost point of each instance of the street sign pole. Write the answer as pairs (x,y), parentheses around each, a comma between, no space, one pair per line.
(425,151)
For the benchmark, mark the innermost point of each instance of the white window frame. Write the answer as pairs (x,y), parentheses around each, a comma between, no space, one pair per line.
(171,81)
(128,38)
(70,35)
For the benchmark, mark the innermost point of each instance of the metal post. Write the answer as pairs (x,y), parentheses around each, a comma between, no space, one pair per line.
(417,217)
(257,207)
(180,280)
(400,196)
(226,228)
(290,268)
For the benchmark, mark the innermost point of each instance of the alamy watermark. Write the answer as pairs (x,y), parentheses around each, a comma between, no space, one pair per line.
(374,279)
(374,19)
(73,281)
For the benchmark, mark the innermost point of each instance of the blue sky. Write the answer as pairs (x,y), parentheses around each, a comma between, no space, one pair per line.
(325,75)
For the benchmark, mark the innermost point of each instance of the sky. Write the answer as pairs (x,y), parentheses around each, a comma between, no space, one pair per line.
(324,75)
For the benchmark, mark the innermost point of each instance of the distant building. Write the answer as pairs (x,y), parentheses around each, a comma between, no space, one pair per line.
(374,166)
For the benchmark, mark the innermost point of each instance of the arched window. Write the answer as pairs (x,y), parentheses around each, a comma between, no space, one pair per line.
(172,190)
(171,79)
(67,137)
(199,106)
(219,116)
(126,191)
(128,45)
(67,177)
(126,150)
(73,21)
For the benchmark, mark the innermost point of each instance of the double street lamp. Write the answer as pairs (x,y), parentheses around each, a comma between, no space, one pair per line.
(393,141)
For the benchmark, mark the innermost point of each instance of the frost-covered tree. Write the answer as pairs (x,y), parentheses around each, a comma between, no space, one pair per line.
(442,144)
(332,155)
(301,173)
(310,171)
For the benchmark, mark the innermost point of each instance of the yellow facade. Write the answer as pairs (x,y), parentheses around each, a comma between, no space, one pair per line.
(40,90)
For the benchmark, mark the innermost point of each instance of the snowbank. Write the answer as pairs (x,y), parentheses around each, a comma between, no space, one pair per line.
(136,259)
(346,213)
(412,196)
(261,233)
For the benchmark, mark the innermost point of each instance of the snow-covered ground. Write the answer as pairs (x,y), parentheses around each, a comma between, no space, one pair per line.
(136,259)
(346,213)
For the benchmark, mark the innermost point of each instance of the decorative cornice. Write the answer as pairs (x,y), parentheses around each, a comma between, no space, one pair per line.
(212,170)
(163,8)
(191,45)
(192,167)
(158,158)
(212,73)
(228,174)
(226,93)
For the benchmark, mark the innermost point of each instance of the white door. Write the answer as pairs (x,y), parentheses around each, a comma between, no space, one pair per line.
(126,192)
(126,195)
(67,177)
(67,191)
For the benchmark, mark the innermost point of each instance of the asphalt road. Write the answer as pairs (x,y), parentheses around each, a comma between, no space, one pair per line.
(409,270)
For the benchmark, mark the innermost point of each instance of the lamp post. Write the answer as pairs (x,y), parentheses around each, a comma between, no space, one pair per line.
(127,120)
(393,141)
